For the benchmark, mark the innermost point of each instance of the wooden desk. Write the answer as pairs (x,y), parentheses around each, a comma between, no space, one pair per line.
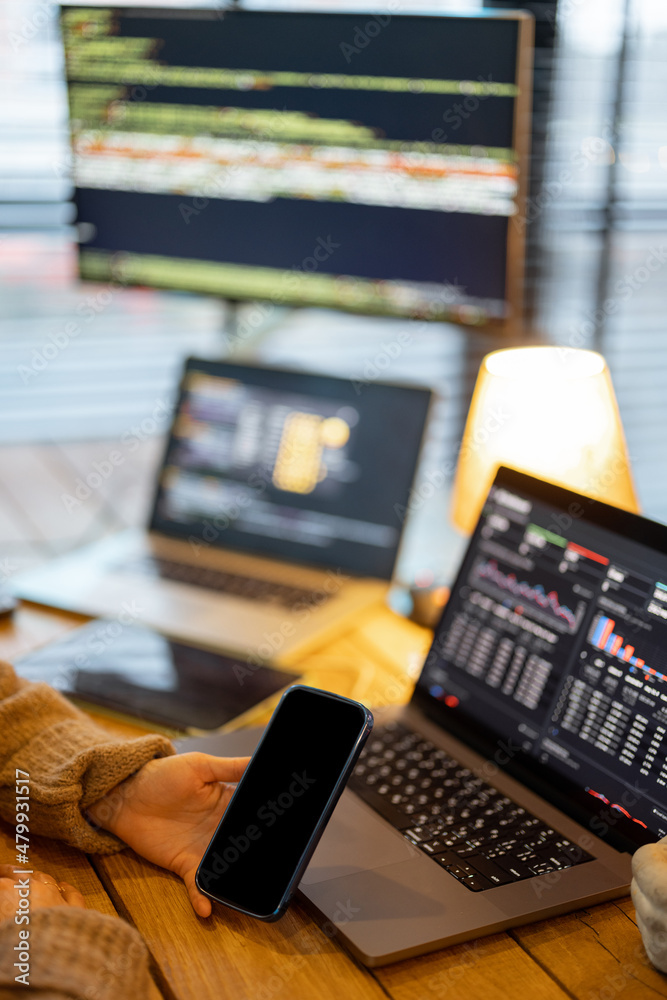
(595,954)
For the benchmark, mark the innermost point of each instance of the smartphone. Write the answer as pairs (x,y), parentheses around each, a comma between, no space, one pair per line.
(282,803)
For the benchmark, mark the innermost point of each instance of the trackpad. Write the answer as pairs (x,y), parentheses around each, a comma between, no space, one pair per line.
(355,840)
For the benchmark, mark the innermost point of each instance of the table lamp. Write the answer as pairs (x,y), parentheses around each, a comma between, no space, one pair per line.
(547,411)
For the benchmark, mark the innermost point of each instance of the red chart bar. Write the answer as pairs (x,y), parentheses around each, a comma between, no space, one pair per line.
(627,652)
(640,663)
(608,629)
(595,556)
(616,645)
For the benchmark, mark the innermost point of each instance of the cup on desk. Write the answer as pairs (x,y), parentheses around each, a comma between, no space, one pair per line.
(428,600)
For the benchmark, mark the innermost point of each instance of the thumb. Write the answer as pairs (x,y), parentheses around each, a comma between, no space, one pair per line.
(201,904)
(212,768)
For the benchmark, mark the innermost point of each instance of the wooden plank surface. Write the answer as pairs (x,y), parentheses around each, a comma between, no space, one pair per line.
(492,968)
(230,956)
(595,953)
(31,627)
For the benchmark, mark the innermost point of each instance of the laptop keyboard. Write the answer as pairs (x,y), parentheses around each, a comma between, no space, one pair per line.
(248,587)
(469,828)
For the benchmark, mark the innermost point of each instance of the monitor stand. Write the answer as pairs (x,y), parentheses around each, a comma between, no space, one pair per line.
(246,323)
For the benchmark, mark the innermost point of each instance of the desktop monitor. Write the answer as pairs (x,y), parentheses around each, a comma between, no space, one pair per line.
(369,162)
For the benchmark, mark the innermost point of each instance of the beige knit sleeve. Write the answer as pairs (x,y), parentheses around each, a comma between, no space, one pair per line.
(71,762)
(74,954)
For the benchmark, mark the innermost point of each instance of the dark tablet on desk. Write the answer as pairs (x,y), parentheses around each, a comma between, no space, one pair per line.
(135,671)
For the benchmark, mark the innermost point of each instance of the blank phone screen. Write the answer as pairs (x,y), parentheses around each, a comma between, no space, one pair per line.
(278,805)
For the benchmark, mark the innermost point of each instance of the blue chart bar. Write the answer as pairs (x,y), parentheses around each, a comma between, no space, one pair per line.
(613,643)
(599,629)
(603,636)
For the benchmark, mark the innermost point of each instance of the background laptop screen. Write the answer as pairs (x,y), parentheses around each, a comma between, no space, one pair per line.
(555,639)
(301,466)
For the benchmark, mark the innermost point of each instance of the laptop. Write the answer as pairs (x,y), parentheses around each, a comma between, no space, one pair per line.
(530,761)
(276,519)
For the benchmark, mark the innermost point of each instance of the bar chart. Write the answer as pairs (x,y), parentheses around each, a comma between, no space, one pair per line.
(608,641)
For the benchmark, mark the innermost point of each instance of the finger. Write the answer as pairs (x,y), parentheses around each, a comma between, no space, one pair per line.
(200,904)
(44,878)
(219,768)
(44,894)
(71,895)
(7,871)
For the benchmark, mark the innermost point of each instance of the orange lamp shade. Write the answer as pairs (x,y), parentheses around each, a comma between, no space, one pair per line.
(550,412)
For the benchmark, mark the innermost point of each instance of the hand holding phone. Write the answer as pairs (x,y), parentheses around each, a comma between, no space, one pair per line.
(281,806)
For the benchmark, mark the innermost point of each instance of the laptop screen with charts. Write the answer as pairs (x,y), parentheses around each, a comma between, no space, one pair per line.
(553,641)
(297,466)
(276,519)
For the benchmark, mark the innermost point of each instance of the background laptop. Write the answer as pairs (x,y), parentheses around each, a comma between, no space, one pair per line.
(530,761)
(274,517)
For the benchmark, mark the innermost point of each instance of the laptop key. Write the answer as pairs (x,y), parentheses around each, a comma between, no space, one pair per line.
(475,841)
(448,860)
(542,868)
(525,855)
(461,870)
(515,867)
(554,858)
(417,834)
(491,847)
(453,838)
(489,869)
(476,883)
(572,851)
(421,818)
(436,846)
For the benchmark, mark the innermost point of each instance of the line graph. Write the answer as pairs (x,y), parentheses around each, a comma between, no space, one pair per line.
(615,805)
(536,594)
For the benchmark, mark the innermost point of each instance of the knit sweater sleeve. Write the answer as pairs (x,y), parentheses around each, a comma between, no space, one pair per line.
(70,762)
(73,954)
